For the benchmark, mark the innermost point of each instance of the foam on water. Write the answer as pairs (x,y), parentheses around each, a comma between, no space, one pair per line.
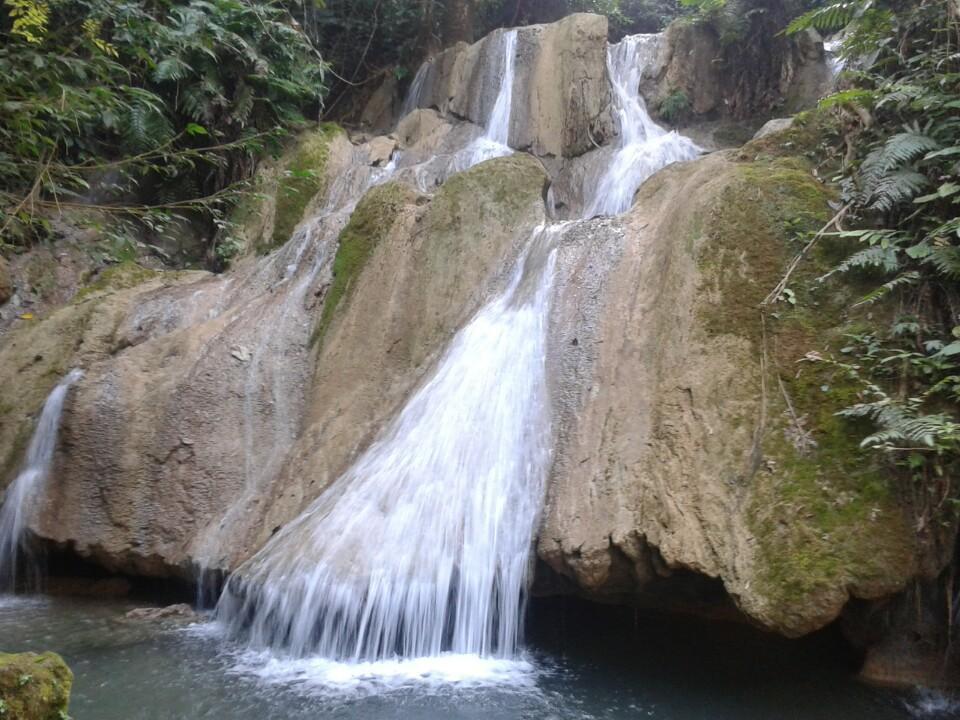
(932,705)
(318,675)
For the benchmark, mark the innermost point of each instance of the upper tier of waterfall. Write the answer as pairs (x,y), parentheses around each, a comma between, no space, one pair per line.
(644,147)
(28,485)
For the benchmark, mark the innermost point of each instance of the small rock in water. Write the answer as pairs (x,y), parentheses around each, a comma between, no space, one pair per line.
(34,686)
(180,612)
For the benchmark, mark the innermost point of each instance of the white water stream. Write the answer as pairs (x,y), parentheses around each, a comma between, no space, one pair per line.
(18,502)
(644,146)
(423,546)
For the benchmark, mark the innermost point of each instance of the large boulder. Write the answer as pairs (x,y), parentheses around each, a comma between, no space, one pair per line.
(692,440)
(561,94)
(34,686)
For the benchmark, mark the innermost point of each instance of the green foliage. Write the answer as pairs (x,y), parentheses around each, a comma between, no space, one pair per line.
(115,102)
(901,189)
(675,106)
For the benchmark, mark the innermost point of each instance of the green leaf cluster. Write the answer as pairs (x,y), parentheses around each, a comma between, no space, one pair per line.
(117,103)
(901,189)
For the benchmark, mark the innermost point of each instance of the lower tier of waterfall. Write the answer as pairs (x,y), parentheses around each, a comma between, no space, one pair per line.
(424,544)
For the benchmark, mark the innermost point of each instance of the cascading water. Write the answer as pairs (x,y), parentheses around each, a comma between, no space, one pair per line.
(27,486)
(495,141)
(644,146)
(423,545)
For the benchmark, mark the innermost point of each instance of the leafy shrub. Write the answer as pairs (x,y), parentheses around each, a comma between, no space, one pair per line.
(675,106)
(174,99)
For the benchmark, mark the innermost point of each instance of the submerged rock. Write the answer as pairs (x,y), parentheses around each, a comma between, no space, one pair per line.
(34,686)
(181,612)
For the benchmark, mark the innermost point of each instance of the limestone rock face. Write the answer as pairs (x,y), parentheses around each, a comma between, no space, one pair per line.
(214,407)
(561,93)
(693,61)
(676,450)
(34,686)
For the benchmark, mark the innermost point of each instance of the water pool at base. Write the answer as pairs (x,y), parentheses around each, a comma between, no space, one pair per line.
(137,670)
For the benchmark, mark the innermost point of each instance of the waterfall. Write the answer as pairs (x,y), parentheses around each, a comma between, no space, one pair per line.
(423,545)
(831,50)
(495,141)
(644,147)
(498,126)
(26,487)
(412,101)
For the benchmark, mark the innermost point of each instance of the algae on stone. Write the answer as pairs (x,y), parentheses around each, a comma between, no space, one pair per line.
(283,189)
(368,225)
(34,686)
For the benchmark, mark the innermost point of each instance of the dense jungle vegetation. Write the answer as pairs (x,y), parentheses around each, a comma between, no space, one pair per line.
(895,128)
(147,111)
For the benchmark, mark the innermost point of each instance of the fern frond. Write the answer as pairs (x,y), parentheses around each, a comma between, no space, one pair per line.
(835,16)
(895,187)
(899,150)
(907,278)
(884,258)
(171,68)
(946,259)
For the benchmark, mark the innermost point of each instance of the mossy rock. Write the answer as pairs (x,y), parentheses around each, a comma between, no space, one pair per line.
(506,186)
(824,513)
(282,190)
(6,282)
(807,137)
(368,226)
(303,176)
(34,686)
(122,276)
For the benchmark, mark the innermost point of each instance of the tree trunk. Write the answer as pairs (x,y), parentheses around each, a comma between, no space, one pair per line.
(427,39)
(458,22)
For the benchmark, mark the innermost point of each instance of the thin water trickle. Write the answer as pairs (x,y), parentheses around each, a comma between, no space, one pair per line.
(495,141)
(19,499)
(644,146)
(412,101)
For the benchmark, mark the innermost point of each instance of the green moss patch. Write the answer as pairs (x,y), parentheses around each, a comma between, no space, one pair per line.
(34,686)
(302,176)
(123,276)
(754,227)
(369,224)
